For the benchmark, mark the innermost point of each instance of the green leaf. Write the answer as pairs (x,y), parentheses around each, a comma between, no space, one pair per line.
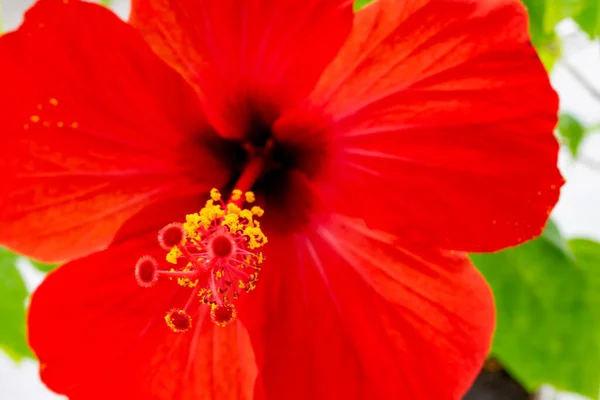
(587,253)
(546,329)
(537,13)
(43,267)
(588,18)
(358,4)
(558,10)
(571,132)
(106,3)
(13,294)
(542,20)
(552,235)
(549,49)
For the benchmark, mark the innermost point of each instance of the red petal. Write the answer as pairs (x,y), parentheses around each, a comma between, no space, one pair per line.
(441,125)
(343,312)
(99,336)
(246,56)
(95,126)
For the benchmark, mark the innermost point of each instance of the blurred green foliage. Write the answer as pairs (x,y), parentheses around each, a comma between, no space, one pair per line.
(571,132)
(13,295)
(13,299)
(43,267)
(358,4)
(548,320)
(588,17)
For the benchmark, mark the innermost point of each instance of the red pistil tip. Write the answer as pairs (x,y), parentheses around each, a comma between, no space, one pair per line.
(223,315)
(171,235)
(178,320)
(146,271)
(221,245)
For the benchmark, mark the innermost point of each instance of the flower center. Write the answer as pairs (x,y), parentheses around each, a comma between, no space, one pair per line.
(215,256)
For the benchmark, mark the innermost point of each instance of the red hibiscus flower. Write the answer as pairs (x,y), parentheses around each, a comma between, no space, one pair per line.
(380,146)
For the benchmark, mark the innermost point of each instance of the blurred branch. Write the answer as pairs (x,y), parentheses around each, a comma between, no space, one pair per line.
(495,383)
(587,85)
(589,162)
(574,43)
(593,128)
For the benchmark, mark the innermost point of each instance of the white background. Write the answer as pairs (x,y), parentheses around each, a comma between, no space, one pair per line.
(577,213)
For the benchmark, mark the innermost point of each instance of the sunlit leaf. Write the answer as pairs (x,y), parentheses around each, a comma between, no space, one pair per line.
(552,234)
(571,132)
(541,27)
(361,3)
(537,12)
(43,267)
(558,10)
(546,329)
(589,18)
(549,49)
(587,253)
(13,294)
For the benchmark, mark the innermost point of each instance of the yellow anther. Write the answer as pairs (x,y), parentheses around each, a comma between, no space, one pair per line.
(231,221)
(233,209)
(192,222)
(256,210)
(215,195)
(186,282)
(246,214)
(205,296)
(236,195)
(256,238)
(250,198)
(173,255)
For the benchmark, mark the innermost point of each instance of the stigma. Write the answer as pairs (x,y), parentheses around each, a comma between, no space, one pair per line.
(214,254)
